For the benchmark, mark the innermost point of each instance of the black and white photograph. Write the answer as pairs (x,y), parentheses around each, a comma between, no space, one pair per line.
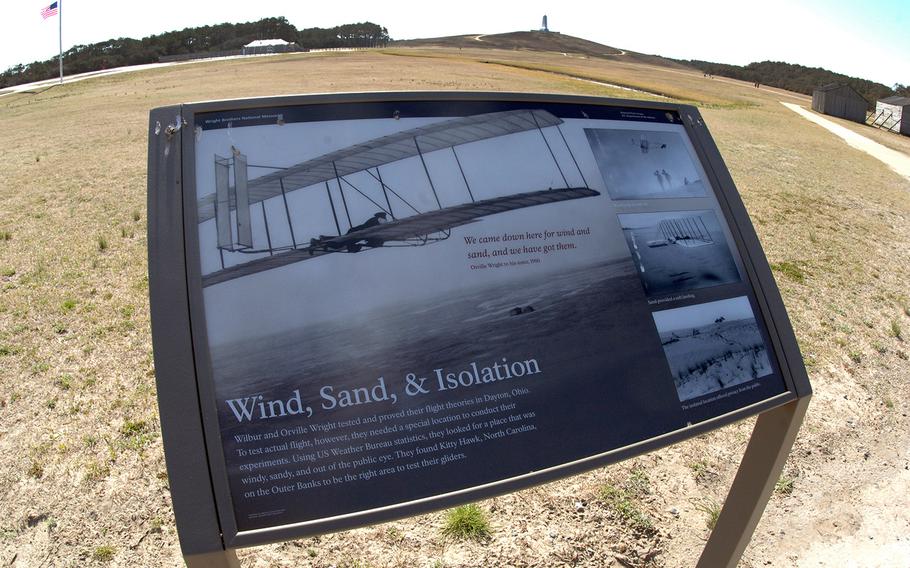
(712,346)
(645,164)
(389,183)
(677,251)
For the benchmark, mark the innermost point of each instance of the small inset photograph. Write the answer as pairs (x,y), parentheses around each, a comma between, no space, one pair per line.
(676,251)
(712,346)
(645,164)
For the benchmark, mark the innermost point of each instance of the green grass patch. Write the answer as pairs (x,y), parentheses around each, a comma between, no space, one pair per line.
(64,382)
(626,507)
(103,553)
(790,270)
(96,472)
(133,427)
(896,330)
(137,434)
(467,522)
(8,350)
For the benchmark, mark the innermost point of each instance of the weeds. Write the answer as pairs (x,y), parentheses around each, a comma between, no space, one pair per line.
(700,470)
(8,350)
(102,243)
(103,553)
(623,504)
(96,472)
(64,382)
(6,236)
(467,522)
(133,427)
(709,507)
(896,331)
(137,434)
(638,483)
(35,469)
(784,485)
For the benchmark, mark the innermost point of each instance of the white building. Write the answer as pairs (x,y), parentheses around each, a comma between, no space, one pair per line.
(893,113)
(269,46)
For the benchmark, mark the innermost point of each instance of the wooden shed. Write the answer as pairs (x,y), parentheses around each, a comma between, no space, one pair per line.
(840,100)
(893,113)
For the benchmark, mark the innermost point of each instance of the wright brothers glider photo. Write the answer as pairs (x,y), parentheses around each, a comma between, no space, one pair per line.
(348,200)
(645,164)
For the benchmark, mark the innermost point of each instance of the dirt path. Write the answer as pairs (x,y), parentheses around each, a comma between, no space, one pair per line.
(897,161)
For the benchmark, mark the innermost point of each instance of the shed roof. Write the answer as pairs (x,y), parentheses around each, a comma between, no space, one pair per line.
(843,88)
(896,100)
(266,42)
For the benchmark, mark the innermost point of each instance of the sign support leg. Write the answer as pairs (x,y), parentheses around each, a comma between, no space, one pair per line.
(218,559)
(761,466)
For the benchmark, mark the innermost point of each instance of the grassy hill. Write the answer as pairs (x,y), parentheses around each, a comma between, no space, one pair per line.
(538,41)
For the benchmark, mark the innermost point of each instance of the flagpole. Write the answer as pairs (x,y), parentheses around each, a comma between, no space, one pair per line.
(60,29)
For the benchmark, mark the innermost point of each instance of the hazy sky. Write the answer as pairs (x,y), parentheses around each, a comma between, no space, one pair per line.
(866,39)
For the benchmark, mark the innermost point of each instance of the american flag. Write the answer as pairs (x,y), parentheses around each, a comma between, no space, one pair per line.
(49,11)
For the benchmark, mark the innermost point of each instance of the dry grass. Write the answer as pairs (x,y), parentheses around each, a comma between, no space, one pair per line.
(82,476)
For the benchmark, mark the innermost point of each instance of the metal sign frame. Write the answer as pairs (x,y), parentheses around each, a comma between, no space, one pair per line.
(196,466)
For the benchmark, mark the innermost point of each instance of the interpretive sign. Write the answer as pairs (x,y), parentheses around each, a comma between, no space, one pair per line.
(386,304)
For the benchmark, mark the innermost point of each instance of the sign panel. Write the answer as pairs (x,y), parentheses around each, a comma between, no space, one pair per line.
(400,300)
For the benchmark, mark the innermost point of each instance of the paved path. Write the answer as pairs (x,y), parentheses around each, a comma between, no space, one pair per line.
(897,161)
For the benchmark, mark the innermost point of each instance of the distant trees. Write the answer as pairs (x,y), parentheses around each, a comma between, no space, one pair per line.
(796,77)
(221,37)
(365,34)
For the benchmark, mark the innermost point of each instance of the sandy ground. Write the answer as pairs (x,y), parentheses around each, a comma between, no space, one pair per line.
(897,161)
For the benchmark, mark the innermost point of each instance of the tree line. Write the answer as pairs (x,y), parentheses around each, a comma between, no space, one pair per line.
(222,37)
(799,78)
